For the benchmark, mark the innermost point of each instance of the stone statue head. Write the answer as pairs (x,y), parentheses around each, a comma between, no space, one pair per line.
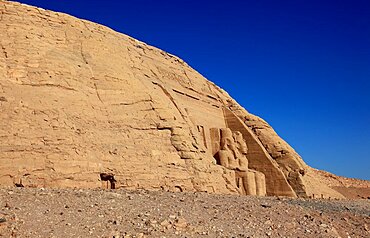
(227,140)
(240,143)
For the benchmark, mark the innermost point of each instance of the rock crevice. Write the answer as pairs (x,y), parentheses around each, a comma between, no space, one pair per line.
(116,110)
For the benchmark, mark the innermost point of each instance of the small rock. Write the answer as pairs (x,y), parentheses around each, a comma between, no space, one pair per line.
(181,223)
(324,225)
(165,223)
(2,220)
(140,235)
(268,222)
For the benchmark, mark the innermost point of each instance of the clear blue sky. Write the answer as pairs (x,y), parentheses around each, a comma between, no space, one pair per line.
(304,66)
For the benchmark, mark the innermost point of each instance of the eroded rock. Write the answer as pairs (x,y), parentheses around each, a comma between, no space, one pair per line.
(84,106)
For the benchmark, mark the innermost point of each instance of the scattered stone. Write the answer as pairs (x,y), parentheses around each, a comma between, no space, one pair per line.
(140,235)
(324,225)
(180,223)
(165,223)
(241,216)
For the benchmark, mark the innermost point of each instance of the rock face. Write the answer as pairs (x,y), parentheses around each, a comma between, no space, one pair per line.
(84,106)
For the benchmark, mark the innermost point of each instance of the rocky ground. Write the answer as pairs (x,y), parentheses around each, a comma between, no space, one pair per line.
(26,212)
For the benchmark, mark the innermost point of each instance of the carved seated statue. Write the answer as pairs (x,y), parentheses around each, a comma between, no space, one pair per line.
(233,155)
(241,152)
(227,152)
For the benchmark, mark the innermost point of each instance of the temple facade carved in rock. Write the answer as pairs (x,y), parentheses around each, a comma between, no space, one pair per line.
(84,106)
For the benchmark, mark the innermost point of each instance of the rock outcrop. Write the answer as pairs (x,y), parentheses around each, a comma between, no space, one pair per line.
(83,106)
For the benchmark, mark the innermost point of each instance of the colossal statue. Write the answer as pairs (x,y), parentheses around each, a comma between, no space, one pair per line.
(227,155)
(233,156)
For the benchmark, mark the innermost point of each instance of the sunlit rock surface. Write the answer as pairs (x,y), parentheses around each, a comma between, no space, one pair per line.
(84,106)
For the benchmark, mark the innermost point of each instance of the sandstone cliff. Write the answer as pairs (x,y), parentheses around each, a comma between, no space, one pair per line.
(84,106)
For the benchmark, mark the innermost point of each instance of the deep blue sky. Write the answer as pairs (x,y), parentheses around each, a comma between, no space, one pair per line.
(304,66)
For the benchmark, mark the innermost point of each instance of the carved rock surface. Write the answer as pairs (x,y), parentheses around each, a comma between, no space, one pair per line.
(84,106)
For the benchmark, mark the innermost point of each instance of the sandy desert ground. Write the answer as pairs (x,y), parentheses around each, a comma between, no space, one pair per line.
(27,212)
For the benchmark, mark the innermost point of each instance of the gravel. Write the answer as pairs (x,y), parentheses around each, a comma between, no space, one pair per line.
(27,212)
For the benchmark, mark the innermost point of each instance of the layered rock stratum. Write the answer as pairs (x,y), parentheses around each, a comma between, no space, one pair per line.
(84,106)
